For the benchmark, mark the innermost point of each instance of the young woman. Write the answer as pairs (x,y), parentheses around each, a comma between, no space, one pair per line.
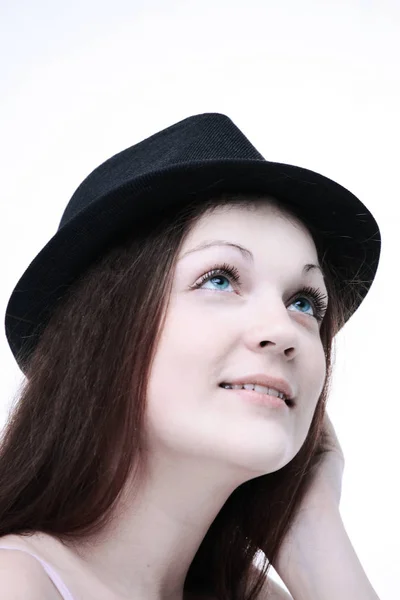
(176,337)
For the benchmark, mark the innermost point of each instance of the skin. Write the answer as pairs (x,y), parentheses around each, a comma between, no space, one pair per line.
(204,441)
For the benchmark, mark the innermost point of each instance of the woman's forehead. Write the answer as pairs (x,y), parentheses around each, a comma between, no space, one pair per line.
(253,224)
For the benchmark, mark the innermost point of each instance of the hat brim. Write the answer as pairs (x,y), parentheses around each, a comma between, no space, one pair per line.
(351,233)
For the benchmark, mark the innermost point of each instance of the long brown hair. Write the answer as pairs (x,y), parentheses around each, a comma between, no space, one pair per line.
(76,432)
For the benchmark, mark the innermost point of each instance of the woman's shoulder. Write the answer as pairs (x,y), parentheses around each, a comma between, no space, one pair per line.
(22,576)
(40,545)
(27,567)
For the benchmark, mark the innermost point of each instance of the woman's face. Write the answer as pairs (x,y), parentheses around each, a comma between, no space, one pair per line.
(224,327)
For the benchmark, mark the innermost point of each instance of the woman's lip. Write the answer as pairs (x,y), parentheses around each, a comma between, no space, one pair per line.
(288,402)
(259,398)
(281,385)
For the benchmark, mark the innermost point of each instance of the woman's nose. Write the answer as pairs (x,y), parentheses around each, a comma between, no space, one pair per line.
(272,331)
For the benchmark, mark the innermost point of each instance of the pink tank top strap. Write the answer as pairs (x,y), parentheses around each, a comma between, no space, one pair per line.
(55,578)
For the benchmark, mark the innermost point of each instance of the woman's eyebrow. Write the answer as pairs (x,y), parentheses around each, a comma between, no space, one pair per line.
(310,267)
(244,251)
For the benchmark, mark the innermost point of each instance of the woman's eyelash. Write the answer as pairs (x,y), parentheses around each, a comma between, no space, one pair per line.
(318,298)
(228,271)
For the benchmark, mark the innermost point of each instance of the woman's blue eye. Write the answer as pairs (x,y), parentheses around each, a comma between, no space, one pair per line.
(314,302)
(219,282)
(304,303)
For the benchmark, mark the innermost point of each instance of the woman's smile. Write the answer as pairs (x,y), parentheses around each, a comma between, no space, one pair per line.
(258,397)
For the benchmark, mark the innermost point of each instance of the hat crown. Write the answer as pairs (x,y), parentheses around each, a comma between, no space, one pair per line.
(204,137)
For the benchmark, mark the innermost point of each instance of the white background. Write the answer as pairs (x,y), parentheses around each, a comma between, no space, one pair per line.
(310,83)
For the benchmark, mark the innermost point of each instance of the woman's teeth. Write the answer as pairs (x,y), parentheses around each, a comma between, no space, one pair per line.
(257,388)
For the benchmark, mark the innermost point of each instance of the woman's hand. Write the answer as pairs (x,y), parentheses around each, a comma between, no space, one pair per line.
(326,484)
(321,499)
(316,559)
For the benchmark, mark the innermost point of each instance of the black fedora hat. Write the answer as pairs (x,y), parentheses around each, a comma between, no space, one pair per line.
(201,155)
